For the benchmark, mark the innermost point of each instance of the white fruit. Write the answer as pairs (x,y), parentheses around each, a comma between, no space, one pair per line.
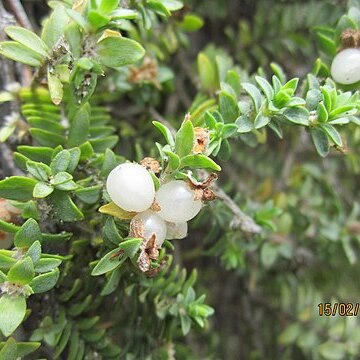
(176,230)
(176,201)
(345,68)
(150,223)
(131,187)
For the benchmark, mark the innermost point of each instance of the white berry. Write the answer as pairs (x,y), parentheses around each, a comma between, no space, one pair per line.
(176,201)
(176,230)
(149,223)
(345,68)
(131,187)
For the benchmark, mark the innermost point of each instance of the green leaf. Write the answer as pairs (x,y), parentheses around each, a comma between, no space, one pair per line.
(320,140)
(185,324)
(158,7)
(79,128)
(39,171)
(108,263)
(2,277)
(199,161)
(265,87)
(46,264)
(185,138)
(130,246)
(173,160)
(55,87)
(74,159)
(313,98)
(47,138)
(28,39)
(61,177)
(332,350)
(106,6)
(268,254)
(97,20)
(254,94)
(22,272)
(191,22)
(20,53)
(207,72)
(12,310)
(34,251)
(322,112)
(6,262)
(173,5)
(8,350)
(112,283)
(45,282)
(333,134)
(36,153)
(89,195)
(290,334)
(61,161)
(278,71)
(28,234)
(261,120)
(42,190)
(119,51)
(297,115)
(17,188)
(63,207)
(54,26)
(22,349)
(166,133)
(244,124)
(228,106)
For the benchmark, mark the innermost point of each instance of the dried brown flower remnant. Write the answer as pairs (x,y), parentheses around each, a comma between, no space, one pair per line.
(136,228)
(201,141)
(151,164)
(350,38)
(153,272)
(202,188)
(8,213)
(155,207)
(146,73)
(148,252)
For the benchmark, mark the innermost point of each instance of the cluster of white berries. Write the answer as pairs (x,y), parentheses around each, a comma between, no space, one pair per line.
(163,213)
(345,68)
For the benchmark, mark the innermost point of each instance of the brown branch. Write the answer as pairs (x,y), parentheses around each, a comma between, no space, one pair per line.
(17,9)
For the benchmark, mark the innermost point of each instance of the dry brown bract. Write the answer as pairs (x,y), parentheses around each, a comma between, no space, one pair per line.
(146,73)
(8,213)
(148,252)
(350,38)
(201,141)
(151,164)
(202,188)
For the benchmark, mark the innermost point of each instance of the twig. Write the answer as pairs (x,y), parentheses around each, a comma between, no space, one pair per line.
(17,9)
(240,220)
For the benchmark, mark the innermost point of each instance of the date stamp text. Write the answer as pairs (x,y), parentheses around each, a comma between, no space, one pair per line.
(341,309)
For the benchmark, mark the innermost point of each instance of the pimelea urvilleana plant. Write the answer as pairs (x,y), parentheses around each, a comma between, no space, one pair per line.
(111,140)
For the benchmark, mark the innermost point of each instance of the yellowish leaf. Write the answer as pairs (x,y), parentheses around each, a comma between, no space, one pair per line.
(114,210)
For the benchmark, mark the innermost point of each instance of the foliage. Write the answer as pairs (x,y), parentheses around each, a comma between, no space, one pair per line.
(285,238)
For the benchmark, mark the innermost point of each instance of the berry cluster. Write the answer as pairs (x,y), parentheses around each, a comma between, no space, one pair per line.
(163,213)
